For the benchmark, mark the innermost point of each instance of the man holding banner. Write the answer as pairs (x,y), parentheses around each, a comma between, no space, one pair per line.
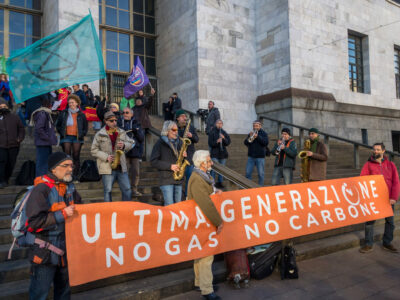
(379,164)
(201,186)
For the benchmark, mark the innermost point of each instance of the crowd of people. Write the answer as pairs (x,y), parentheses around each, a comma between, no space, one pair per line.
(118,147)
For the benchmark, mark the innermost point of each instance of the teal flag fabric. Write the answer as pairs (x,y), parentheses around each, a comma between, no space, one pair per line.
(71,56)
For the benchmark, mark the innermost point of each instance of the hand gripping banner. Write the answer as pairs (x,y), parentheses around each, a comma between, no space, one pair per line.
(108,239)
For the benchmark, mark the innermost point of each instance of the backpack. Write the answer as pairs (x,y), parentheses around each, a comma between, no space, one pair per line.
(89,171)
(288,263)
(26,175)
(22,237)
(263,258)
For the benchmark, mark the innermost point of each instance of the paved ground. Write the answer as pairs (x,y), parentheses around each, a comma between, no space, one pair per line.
(341,275)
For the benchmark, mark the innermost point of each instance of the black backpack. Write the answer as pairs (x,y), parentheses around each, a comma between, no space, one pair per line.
(288,263)
(89,171)
(263,262)
(26,175)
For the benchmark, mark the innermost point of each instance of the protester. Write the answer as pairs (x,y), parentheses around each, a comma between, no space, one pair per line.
(114,108)
(163,157)
(97,124)
(12,133)
(167,109)
(101,109)
(191,134)
(379,164)
(141,109)
(318,156)
(33,104)
(256,142)
(51,202)
(130,103)
(81,95)
(218,140)
(106,143)
(176,104)
(89,95)
(285,150)
(72,126)
(201,186)
(45,136)
(212,117)
(136,133)
(5,91)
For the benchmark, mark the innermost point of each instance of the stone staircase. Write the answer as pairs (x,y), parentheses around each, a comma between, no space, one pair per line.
(178,278)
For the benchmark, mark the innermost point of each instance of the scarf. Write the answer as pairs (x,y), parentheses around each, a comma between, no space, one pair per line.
(207,177)
(60,186)
(45,109)
(113,134)
(314,145)
(70,120)
(172,143)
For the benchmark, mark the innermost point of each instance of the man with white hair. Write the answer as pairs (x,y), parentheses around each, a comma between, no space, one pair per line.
(201,186)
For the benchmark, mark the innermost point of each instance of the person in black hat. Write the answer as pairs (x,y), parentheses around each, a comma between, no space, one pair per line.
(318,156)
(50,204)
(285,150)
(182,121)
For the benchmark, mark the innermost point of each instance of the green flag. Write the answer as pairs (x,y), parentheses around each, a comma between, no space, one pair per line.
(3,64)
(71,56)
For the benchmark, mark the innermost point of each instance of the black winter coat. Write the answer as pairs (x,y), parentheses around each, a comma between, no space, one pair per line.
(195,139)
(218,151)
(12,132)
(137,134)
(141,112)
(162,157)
(257,148)
(61,124)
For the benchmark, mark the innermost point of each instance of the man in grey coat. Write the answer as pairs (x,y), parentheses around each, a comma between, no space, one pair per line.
(213,116)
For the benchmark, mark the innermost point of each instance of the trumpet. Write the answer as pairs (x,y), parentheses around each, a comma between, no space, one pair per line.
(279,149)
(253,136)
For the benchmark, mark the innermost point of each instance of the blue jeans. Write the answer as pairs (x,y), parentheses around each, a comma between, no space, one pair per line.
(43,276)
(217,177)
(260,164)
(123,182)
(188,172)
(96,125)
(42,155)
(388,234)
(172,193)
(279,172)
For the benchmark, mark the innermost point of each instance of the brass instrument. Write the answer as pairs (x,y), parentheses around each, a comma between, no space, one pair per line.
(183,162)
(305,162)
(279,149)
(117,156)
(253,136)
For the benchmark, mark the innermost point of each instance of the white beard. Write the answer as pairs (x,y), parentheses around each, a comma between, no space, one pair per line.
(67,178)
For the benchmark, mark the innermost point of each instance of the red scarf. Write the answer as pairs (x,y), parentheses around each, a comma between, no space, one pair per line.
(113,134)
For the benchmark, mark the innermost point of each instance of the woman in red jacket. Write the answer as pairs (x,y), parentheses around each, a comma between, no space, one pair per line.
(379,164)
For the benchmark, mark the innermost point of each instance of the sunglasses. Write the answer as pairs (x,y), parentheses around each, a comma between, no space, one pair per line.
(174,130)
(126,112)
(112,121)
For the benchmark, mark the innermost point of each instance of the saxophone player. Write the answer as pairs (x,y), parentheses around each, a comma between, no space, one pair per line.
(187,132)
(318,156)
(164,157)
(106,143)
(256,142)
(285,151)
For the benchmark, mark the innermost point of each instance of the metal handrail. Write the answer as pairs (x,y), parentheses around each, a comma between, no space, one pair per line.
(355,144)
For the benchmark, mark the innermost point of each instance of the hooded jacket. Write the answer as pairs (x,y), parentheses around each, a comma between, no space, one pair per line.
(388,170)
(45,133)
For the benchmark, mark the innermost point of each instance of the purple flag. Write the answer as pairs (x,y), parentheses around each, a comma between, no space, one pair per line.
(137,80)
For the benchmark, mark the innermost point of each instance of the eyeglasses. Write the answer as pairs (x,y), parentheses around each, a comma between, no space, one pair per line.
(174,129)
(112,121)
(67,166)
(126,112)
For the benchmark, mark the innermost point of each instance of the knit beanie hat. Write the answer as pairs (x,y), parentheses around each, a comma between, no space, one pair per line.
(57,158)
(287,130)
(179,113)
(315,130)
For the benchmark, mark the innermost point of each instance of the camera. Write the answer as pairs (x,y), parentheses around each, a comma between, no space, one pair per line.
(203,113)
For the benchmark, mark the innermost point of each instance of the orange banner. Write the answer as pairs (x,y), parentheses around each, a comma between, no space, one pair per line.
(108,239)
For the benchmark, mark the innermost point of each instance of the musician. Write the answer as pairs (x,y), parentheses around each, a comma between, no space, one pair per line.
(105,143)
(318,156)
(285,150)
(182,121)
(164,157)
(218,140)
(256,142)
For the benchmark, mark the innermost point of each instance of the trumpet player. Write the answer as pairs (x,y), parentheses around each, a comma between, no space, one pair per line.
(318,156)
(285,150)
(256,142)
(106,143)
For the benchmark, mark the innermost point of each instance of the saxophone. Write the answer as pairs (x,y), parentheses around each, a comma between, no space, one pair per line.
(305,162)
(117,156)
(183,162)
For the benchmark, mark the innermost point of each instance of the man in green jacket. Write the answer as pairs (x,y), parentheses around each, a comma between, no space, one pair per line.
(285,151)
(200,187)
